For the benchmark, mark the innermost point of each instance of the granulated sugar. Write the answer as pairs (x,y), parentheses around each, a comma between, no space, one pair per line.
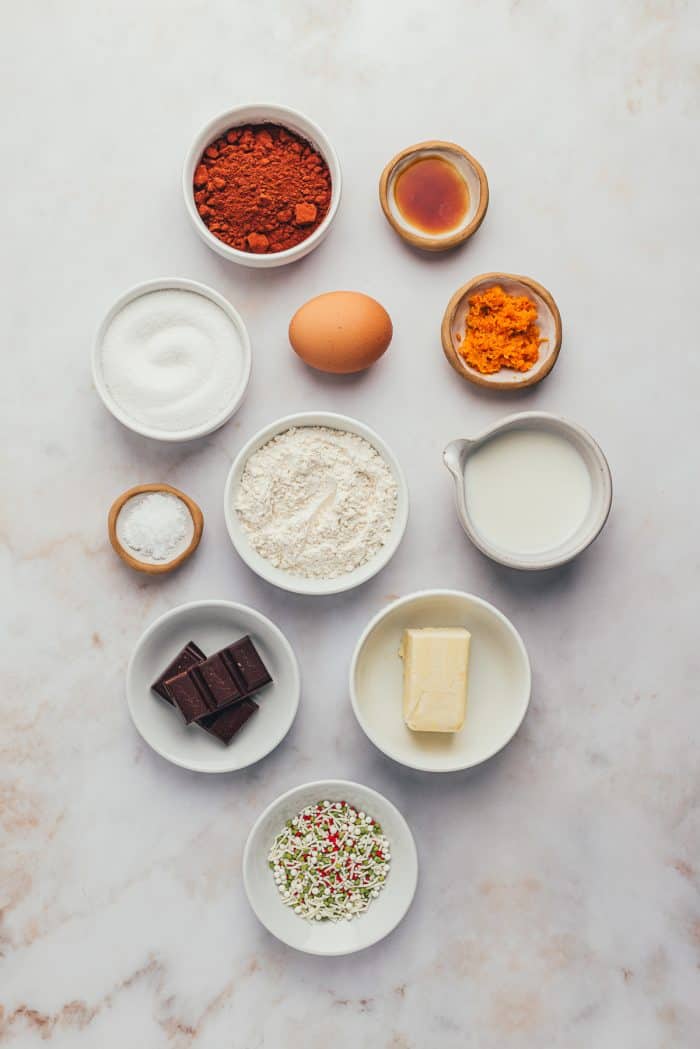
(172,360)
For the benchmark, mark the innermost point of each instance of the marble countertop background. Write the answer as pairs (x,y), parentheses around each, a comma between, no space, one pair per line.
(558,899)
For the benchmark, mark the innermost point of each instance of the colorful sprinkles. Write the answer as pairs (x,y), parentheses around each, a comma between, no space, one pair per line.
(330,862)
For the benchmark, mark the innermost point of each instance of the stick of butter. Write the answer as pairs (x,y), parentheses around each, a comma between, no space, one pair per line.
(435,661)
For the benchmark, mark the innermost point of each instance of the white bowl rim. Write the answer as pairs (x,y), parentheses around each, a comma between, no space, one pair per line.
(542,563)
(238,607)
(171,284)
(339,584)
(324,785)
(322,142)
(439,592)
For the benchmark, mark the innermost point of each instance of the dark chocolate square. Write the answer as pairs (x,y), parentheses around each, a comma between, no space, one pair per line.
(187,696)
(217,683)
(189,657)
(226,723)
(249,664)
(220,681)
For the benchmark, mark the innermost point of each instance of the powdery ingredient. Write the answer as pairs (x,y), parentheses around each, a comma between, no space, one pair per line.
(172,359)
(317,502)
(261,188)
(154,526)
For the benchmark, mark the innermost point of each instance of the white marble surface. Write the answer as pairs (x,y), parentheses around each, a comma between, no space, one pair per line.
(558,901)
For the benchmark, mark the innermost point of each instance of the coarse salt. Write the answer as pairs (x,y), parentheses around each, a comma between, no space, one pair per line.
(155,527)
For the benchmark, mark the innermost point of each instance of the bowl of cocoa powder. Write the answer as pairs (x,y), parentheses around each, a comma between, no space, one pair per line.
(262,185)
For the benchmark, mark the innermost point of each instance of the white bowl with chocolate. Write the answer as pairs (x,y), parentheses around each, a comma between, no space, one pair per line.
(302,219)
(230,735)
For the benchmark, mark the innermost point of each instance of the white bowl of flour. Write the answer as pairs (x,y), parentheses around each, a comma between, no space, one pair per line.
(316,503)
(172,360)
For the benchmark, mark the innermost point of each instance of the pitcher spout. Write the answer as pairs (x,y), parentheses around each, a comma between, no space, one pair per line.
(454,457)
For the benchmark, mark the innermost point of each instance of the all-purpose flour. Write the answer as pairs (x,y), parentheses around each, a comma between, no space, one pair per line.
(317,502)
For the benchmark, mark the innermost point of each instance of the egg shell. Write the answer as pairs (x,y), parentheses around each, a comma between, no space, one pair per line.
(340,332)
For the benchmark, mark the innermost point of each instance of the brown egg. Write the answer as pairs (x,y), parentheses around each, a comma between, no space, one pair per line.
(341,331)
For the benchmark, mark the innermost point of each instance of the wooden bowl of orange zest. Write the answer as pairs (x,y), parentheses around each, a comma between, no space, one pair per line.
(511,341)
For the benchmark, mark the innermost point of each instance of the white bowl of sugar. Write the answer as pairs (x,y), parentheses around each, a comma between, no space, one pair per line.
(316,503)
(171,360)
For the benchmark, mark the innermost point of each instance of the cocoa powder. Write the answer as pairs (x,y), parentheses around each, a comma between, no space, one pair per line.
(261,188)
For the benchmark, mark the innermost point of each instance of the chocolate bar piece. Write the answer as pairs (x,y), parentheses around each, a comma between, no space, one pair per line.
(226,723)
(251,667)
(227,677)
(186,696)
(190,655)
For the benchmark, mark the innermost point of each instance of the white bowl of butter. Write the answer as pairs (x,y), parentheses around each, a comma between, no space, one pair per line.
(393,688)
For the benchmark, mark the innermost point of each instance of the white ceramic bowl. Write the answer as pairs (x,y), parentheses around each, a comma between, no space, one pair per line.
(330,938)
(499,682)
(262,113)
(458,452)
(212,625)
(240,346)
(286,580)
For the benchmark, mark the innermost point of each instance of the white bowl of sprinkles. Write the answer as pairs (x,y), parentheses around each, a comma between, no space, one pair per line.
(303,841)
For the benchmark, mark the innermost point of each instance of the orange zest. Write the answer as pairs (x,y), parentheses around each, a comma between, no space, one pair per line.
(501,332)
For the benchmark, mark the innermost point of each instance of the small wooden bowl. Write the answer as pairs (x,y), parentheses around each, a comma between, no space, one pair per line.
(471,171)
(145,566)
(548,320)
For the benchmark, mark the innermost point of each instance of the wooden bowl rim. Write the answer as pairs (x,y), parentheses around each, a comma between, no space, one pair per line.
(142,566)
(460,365)
(425,241)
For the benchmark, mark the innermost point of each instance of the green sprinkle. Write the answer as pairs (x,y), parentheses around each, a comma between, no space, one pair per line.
(330,869)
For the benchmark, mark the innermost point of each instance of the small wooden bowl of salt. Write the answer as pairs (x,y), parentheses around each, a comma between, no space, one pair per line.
(154,527)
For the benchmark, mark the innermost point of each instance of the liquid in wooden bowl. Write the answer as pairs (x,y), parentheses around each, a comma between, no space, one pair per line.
(432,195)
